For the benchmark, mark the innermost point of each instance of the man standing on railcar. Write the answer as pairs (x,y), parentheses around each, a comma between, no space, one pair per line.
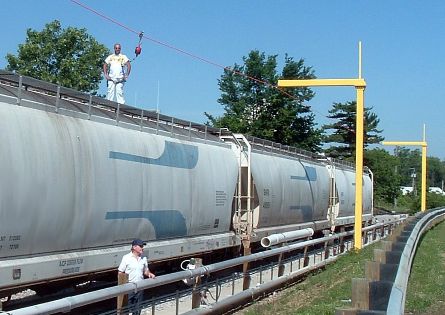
(114,72)
(136,267)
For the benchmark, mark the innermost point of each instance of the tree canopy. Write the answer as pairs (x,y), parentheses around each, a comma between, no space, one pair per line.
(386,177)
(343,129)
(253,106)
(69,57)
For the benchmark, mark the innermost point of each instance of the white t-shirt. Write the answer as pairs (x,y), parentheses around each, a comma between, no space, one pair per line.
(134,267)
(115,64)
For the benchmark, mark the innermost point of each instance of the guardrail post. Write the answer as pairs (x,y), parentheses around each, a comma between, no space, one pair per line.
(281,266)
(177,302)
(360,293)
(342,241)
(122,300)
(374,234)
(196,293)
(365,235)
(305,257)
(326,250)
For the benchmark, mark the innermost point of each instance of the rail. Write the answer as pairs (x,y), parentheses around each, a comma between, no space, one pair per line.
(383,291)
(69,303)
(26,91)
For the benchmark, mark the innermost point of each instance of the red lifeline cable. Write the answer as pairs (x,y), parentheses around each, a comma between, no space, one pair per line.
(141,35)
(185,52)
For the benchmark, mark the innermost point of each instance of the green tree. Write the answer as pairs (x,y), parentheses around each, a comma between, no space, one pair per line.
(410,165)
(343,130)
(386,177)
(69,57)
(254,107)
(436,171)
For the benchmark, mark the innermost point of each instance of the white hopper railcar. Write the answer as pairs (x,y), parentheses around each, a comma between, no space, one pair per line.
(80,177)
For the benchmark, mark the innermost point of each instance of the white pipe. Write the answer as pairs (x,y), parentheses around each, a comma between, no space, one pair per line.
(278,238)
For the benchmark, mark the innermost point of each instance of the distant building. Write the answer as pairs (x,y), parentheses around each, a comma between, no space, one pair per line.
(406,190)
(437,190)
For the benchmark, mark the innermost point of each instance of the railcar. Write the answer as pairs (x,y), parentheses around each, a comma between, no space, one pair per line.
(80,177)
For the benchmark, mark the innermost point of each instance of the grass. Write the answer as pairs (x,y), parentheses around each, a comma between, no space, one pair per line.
(319,293)
(325,291)
(426,287)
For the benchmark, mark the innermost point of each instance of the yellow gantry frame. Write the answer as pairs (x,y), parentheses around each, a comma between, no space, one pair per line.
(360,86)
(424,145)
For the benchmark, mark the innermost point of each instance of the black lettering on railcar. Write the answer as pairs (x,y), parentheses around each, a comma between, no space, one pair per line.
(14,237)
(70,262)
(70,270)
(14,246)
(2,238)
(221,198)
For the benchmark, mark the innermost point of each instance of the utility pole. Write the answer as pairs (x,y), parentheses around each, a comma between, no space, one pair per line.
(413,176)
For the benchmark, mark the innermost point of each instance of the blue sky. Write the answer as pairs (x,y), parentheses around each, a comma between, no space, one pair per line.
(403,51)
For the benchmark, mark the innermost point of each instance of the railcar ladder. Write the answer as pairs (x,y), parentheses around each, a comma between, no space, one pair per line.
(243,215)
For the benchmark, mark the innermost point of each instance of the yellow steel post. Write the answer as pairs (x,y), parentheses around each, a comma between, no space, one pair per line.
(423,203)
(360,85)
(423,198)
(424,145)
(359,168)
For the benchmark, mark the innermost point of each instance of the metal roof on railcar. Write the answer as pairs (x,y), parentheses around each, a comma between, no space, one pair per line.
(38,94)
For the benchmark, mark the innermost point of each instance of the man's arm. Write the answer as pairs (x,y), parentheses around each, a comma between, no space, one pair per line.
(105,69)
(128,64)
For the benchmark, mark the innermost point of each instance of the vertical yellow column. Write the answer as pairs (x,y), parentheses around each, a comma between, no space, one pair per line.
(423,204)
(359,168)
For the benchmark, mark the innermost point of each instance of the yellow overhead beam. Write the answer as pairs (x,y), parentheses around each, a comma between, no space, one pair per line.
(322,82)
(360,86)
(407,143)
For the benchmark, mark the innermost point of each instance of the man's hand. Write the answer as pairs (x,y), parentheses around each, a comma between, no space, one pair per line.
(150,274)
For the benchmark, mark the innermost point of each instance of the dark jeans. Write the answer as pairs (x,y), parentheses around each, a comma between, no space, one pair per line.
(134,302)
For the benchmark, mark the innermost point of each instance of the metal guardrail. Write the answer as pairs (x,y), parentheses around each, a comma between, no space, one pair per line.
(383,291)
(69,303)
